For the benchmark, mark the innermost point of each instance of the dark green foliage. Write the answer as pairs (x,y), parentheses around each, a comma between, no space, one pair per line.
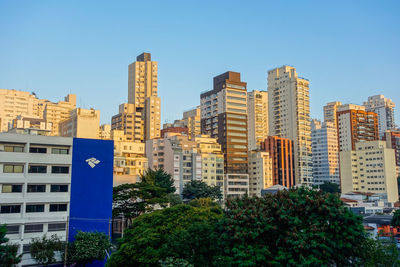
(199,189)
(88,247)
(43,249)
(295,227)
(8,252)
(329,187)
(379,253)
(182,232)
(131,200)
(174,199)
(396,219)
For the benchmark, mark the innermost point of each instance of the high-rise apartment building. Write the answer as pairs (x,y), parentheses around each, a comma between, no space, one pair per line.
(257,118)
(83,123)
(54,113)
(289,116)
(14,103)
(260,172)
(129,120)
(142,93)
(369,168)
(129,158)
(384,108)
(281,152)
(325,152)
(330,110)
(187,160)
(355,124)
(192,120)
(224,116)
(392,139)
(105,132)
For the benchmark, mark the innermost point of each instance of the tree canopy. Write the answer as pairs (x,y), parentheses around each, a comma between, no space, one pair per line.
(199,189)
(8,252)
(294,227)
(155,188)
(88,247)
(43,249)
(396,219)
(181,233)
(329,187)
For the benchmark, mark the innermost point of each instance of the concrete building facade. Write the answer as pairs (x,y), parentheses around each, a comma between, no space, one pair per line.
(257,118)
(369,168)
(384,108)
(83,123)
(260,172)
(355,125)
(325,152)
(289,116)
(330,111)
(224,117)
(130,122)
(281,152)
(142,93)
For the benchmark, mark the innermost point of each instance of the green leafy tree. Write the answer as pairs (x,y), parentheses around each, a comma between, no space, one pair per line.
(43,250)
(132,200)
(296,227)
(396,219)
(329,187)
(8,252)
(378,253)
(199,189)
(180,234)
(88,247)
(174,199)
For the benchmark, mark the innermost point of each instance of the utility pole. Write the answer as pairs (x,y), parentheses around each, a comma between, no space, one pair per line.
(66,243)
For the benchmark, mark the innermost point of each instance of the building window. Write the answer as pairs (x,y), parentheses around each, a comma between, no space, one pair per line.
(59,188)
(58,207)
(36,188)
(59,169)
(37,169)
(8,148)
(53,227)
(10,209)
(35,208)
(33,228)
(26,248)
(63,151)
(42,150)
(11,168)
(11,188)
(12,229)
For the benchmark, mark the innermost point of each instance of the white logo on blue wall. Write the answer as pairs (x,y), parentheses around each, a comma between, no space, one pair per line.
(92,162)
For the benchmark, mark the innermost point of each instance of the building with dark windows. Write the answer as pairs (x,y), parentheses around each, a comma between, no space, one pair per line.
(224,116)
(281,152)
(49,184)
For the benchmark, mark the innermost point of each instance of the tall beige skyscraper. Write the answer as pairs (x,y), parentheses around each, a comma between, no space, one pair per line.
(257,118)
(142,92)
(384,108)
(330,110)
(289,116)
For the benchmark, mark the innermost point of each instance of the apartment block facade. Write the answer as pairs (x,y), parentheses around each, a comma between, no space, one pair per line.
(83,123)
(257,118)
(384,108)
(392,139)
(369,168)
(42,180)
(224,117)
(129,120)
(355,125)
(192,120)
(289,116)
(142,93)
(281,152)
(260,172)
(325,152)
(330,111)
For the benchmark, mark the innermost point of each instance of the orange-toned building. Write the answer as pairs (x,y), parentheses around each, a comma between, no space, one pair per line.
(392,139)
(281,152)
(355,124)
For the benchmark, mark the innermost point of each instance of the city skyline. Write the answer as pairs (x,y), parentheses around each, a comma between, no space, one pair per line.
(95,66)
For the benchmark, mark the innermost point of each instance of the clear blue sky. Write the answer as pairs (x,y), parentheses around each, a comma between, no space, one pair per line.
(348,50)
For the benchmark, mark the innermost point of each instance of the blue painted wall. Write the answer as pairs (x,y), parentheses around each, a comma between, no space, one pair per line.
(91,188)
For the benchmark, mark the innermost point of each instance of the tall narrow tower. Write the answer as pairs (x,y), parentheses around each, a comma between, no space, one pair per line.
(142,92)
(289,116)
